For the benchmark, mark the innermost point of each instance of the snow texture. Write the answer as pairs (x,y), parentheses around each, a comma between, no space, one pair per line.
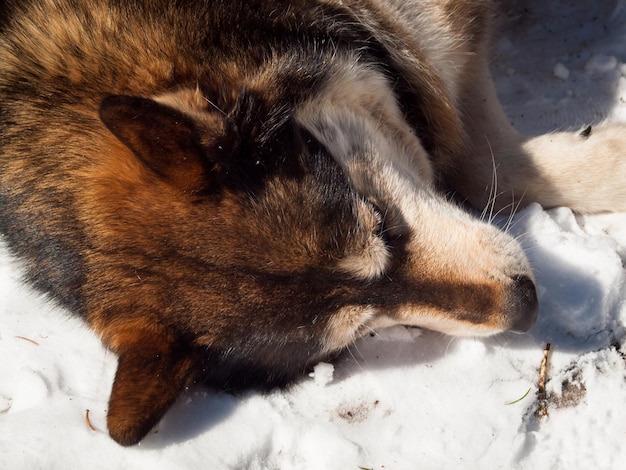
(402,398)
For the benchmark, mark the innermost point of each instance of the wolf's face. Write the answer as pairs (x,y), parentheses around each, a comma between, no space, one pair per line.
(287,230)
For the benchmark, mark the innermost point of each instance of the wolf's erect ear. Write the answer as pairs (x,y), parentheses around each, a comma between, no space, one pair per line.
(149,378)
(163,138)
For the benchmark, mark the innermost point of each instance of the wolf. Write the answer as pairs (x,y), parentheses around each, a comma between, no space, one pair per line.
(231,191)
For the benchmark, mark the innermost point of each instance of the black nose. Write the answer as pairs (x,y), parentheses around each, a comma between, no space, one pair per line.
(525,304)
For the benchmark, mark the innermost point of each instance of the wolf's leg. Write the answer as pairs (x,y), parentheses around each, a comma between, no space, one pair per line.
(584,170)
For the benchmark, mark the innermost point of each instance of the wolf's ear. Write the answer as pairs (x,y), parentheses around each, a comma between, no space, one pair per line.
(149,378)
(163,138)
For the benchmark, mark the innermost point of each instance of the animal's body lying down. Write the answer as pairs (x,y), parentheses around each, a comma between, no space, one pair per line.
(231,191)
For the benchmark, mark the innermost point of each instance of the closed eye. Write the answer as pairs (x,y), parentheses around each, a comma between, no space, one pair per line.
(390,229)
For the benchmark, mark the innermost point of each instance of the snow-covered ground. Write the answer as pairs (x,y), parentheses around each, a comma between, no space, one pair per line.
(403,398)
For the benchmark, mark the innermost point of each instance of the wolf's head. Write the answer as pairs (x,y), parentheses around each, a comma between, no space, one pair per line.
(250,236)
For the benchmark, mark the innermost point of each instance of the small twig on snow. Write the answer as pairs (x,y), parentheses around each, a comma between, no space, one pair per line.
(28,339)
(88,421)
(542,396)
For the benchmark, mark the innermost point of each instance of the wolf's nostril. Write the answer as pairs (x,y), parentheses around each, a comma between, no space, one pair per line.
(526,304)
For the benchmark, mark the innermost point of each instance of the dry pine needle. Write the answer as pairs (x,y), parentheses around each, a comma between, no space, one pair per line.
(91,426)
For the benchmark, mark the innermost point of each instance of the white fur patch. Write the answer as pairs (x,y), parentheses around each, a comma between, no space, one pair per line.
(358,120)
(370,263)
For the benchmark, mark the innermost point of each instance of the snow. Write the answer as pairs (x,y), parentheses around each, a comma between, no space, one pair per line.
(402,398)
(323,373)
